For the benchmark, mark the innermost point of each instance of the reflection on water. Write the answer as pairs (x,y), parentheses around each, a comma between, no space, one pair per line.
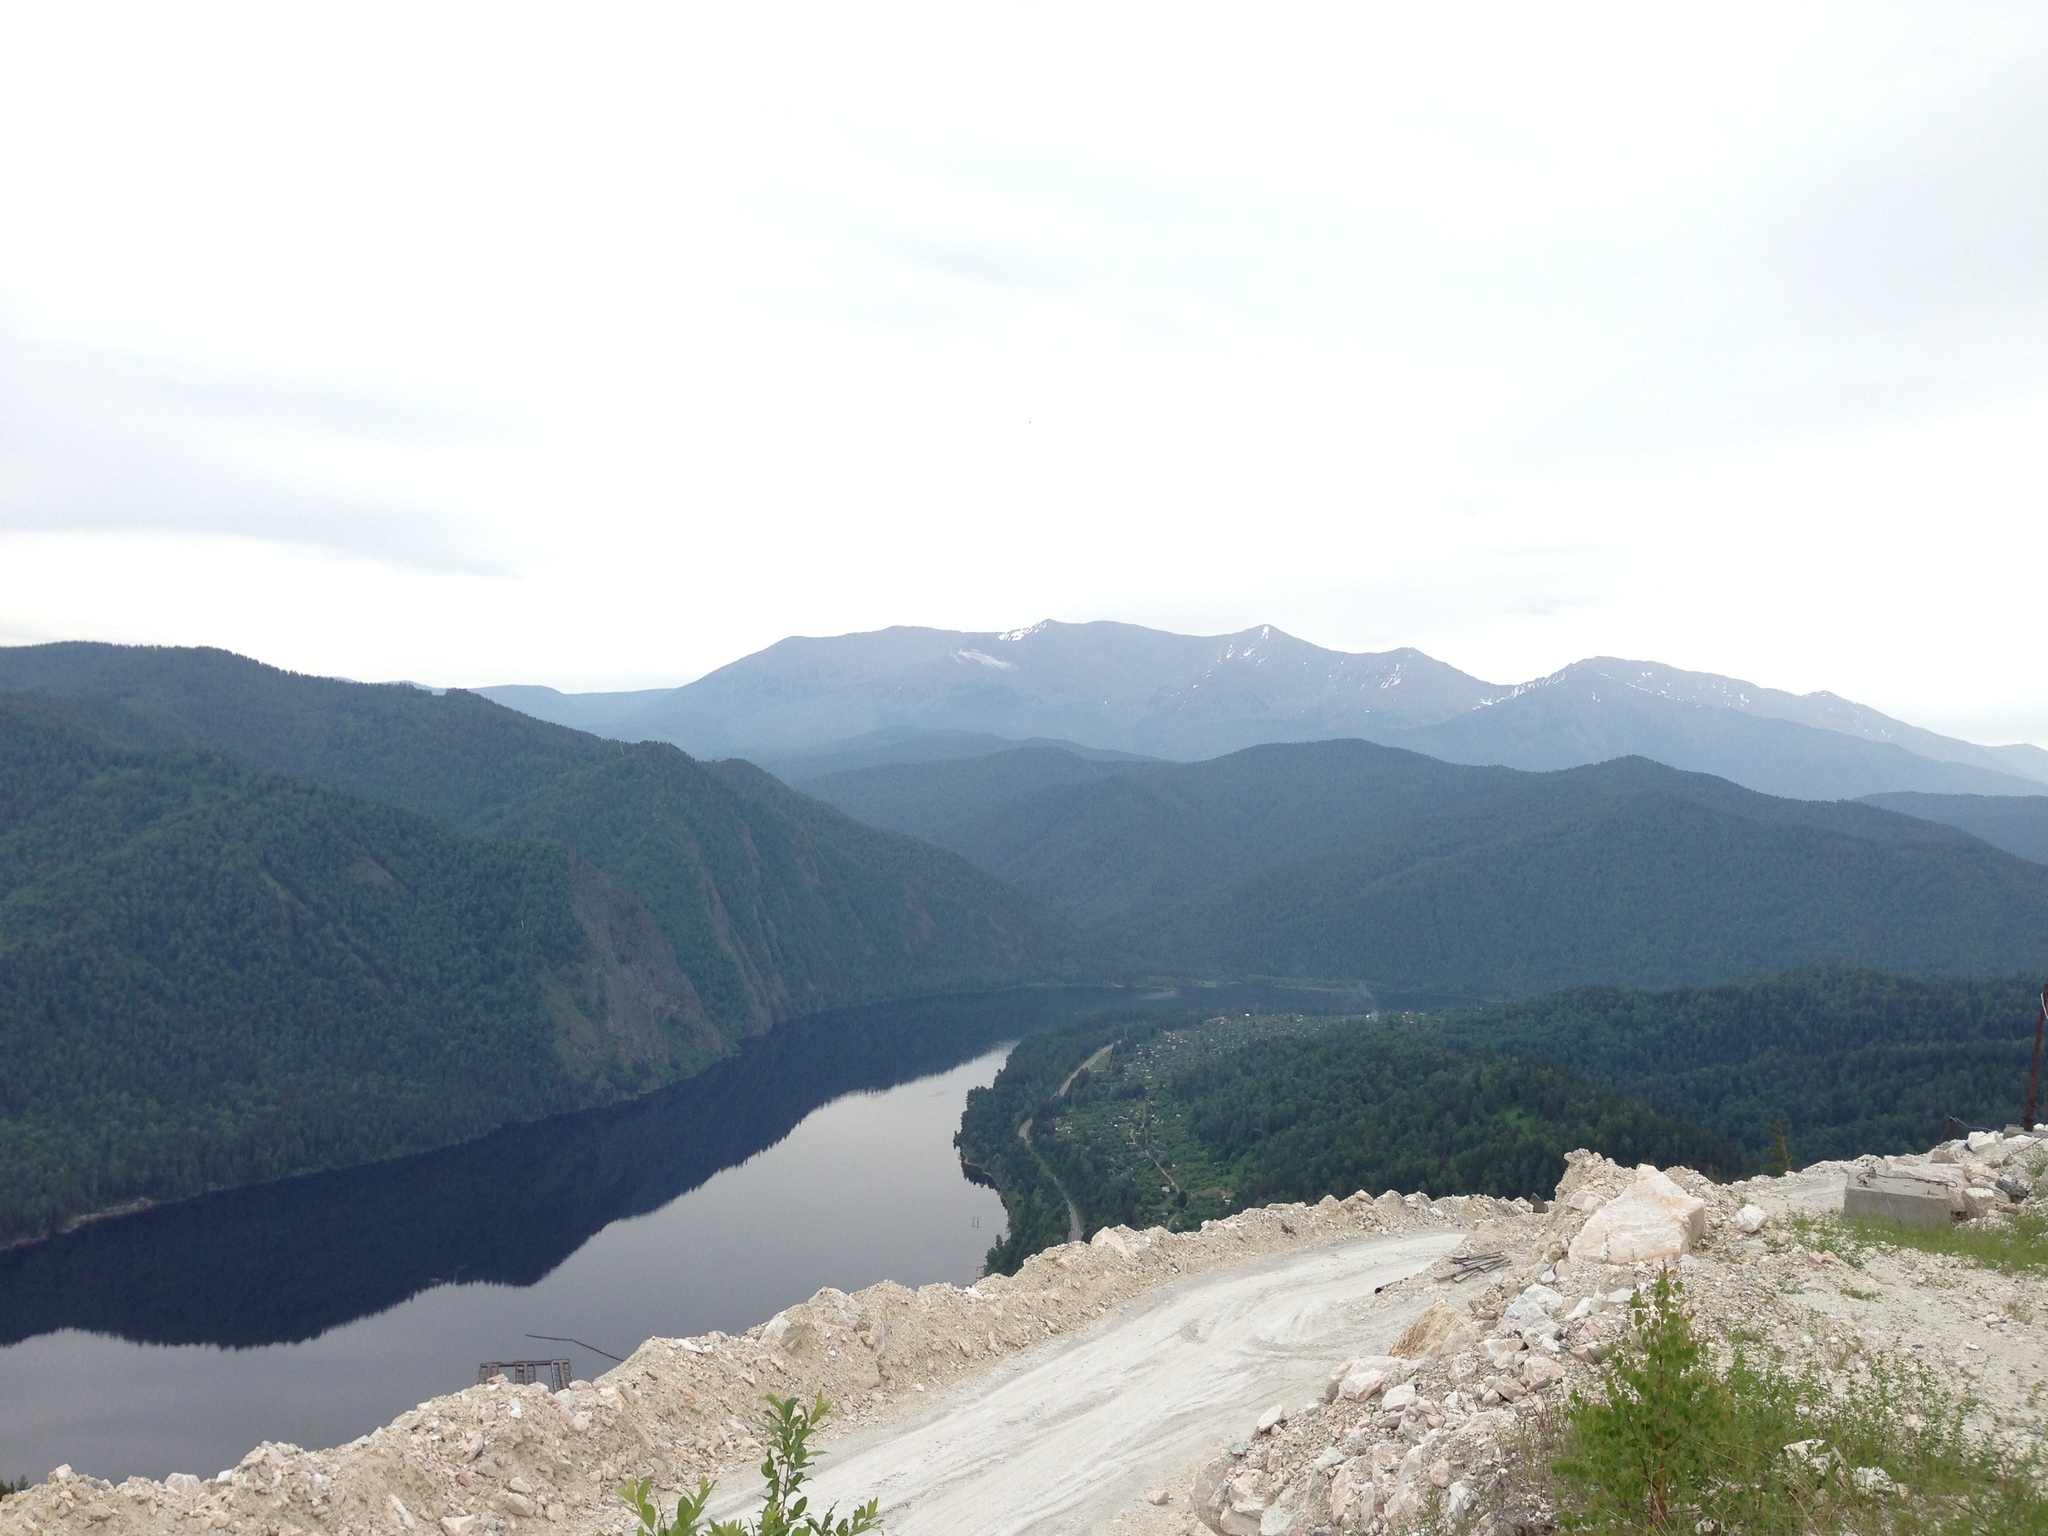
(315,1309)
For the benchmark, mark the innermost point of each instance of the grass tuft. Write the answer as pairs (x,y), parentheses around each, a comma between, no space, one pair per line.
(2014,1244)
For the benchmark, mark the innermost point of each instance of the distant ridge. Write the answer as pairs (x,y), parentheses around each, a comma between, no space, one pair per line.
(1430,882)
(909,694)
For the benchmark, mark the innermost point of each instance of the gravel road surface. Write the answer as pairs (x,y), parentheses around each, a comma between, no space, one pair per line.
(1059,1440)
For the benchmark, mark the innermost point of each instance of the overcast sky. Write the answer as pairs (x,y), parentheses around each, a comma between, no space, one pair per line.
(598,346)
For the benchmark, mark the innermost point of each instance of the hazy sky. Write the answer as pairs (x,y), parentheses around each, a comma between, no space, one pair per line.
(598,346)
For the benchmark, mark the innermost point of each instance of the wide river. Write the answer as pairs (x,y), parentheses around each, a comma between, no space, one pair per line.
(315,1309)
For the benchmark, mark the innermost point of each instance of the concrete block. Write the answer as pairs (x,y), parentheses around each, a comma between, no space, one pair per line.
(1906,1202)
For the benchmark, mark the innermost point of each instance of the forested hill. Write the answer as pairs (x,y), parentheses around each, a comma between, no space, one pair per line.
(1177,1119)
(210,974)
(1189,1116)
(1434,882)
(1843,1060)
(774,906)
(2016,823)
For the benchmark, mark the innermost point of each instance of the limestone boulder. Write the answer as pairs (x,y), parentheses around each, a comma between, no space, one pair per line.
(1438,1330)
(1651,1221)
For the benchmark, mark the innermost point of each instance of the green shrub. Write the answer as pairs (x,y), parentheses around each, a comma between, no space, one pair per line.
(786,1509)
(1864,1445)
(1646,1447)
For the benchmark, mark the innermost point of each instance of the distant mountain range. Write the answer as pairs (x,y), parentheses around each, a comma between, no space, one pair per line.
(1436,882)
(805,706)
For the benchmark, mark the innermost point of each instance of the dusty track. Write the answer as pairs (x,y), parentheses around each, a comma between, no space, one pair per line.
(1060,1440)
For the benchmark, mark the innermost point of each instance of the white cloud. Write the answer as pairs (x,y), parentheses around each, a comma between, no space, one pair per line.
(598,349)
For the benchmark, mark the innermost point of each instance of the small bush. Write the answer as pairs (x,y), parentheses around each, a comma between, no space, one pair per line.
(1665,1445)
(785,1511)
(1648,1445)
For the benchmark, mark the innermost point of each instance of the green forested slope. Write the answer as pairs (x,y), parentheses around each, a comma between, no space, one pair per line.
(1847,1060)
(2016,823)
(1431,882)
(1655,887)
(775,906)
(210,974)
(944,801)
(1118,849)
(1190,1119)
(779,906)
(454,756)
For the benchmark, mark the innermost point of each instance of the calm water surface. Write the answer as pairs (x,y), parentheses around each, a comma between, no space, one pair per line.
(317,1309)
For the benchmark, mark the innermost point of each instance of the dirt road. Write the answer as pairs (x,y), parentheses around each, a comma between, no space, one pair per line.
(1061,1439)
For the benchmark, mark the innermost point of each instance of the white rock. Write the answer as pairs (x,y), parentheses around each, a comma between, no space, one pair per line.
(1398,1398)
(1111,1239)
(1873,1480)
(1500,1349)
(458,1525)
(1816,1457)
(60,1474)
(404,1515)
(1533,1305)
(1333,1457)
(1158,1496)
(1369,1373)
(1271,1417)
(183,1483)
(1352,1494)
(1979,1140)
(1652,1220)
(1752,1219)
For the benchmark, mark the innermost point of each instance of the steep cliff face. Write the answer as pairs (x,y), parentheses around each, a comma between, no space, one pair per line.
(777,906)
(628,1007)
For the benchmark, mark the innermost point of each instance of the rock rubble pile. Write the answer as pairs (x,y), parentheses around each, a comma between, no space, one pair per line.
(1526,1307)
(1434,1428)
(497,1458)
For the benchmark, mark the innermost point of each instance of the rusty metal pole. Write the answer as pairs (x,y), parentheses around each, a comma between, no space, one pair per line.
(2034,1082)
